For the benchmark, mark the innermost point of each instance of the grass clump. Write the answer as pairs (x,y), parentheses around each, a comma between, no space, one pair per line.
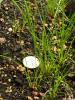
(50,43)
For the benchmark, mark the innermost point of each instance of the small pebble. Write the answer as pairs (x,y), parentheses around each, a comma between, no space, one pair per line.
(36,98)
(14,76)
(20,68)
(64,47)
(2,75)
(4,83)
(1,98)
(6,8)
(22,42)
(30,98)
(1,68)
(1,19)
(2,40)
(8,90)
(34,87)
(10,29)
(54,49)
(12,67)
(51,24)
(35,93)
(7,32)
(9,80)
(46,25)
(54,38)
(15,93)
(5,75)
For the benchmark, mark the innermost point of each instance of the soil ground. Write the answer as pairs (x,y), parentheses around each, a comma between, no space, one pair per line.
(13,84)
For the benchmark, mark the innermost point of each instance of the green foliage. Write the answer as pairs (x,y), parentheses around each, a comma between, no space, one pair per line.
(51,6)
(1,1)
(49,46)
